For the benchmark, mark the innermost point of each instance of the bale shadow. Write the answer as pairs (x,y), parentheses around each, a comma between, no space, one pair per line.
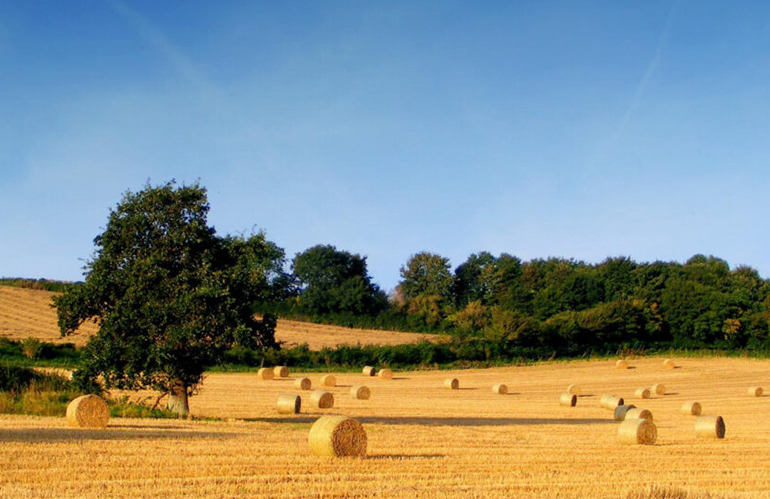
(587,396)
(405,457)
(43,435)
(442,421)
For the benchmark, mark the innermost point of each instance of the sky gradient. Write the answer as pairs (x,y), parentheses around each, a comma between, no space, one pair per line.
(570,129)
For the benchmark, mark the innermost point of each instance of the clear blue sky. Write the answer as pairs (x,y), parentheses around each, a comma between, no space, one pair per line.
(571,129)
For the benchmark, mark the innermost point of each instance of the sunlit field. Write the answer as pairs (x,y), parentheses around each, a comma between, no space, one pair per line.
(425,441)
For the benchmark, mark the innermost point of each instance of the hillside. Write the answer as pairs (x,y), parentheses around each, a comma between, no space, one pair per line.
(27,313)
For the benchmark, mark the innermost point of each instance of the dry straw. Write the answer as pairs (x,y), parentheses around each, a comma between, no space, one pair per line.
(281,372)
(88,411)
(322,399)
(568,399)
(621,364)
(658,388)
(621,410)
(691,408)
(637,431)
(574,389)
(611,401)
(328,380)
(289,403)
(265,373)
(360,392)
(669,364)
(452,383)
(755,391)
(337,436)
(385,374)
(369,371)
(642,393)
(500,389)
(710,427)
(303,383)
(637,413)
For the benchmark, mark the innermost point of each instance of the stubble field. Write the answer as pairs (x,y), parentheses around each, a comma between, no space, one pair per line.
(424,441)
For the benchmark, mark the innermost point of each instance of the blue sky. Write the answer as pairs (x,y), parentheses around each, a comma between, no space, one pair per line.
(570,129)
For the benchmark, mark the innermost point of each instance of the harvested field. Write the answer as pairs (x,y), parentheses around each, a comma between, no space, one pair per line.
(27,313)
(423,441)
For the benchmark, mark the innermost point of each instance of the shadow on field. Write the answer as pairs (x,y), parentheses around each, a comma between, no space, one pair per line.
(34,435)
(438,421)
(405,457)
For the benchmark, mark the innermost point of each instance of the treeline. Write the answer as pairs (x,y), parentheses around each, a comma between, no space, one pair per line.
(561,305)
(40,284)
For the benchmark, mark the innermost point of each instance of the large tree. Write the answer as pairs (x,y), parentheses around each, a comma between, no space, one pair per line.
(169,295)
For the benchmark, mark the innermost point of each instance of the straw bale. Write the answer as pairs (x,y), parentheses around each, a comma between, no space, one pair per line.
(281,372)
(637,431)
(574,389)
(288,403)
(658,389)
(691,408)
(360,392)
(322,399)
(303,383)
(637,413)
(369,371)
(621,410)
(621,364)
(500,389)
(88,411)
(755,391)
(568,399)
(642,393)
(611,401)
(385,374)
(265,373)
(452,383)
(710,427)
(328,380)
(337,436)
(669,364)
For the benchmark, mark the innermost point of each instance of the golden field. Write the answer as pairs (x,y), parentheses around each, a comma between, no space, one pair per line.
(424,441)
(27,313)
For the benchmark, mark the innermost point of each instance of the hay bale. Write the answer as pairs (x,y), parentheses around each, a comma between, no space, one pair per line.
(669,364)
(329,380)
(322,399)
(755,391)
(691,408)
(642,393)
(621,364)
(369,371)
(281,372)
(88,411)
(265,373)
(574,389)
(288,403)
(303,383)
(710,427)
(568,399)
(500,389)
(337,436)
(637,431)
(658,389)
(637,413)
(611,401)
(452,383)
(360,392)
(385,374)
(621,410)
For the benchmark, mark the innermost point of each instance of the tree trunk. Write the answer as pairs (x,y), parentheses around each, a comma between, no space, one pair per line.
(177,399)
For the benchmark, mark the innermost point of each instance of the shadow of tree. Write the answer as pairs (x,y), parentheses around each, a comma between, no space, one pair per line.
(35,435)
(442,421)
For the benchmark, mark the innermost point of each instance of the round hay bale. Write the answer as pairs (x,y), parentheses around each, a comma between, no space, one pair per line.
(637,431)
(385,374)
(265,373)
(642,393)
(574,389)
(337,436)
(611,401)
(288,403)
(710,427)
(360,392)
(658,389)
(500,389)
(88,411)
(691,408)
(322,399)
(281,372)
(369,371)
(621,410)
(755,391)
(568,399)
(637,413)
(452,383)
(329,380)
(669,364)
(621,364)
(303,383)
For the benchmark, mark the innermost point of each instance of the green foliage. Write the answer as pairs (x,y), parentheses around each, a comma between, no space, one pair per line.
(426,274)
(40,284)
(169,295)
(31,348)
